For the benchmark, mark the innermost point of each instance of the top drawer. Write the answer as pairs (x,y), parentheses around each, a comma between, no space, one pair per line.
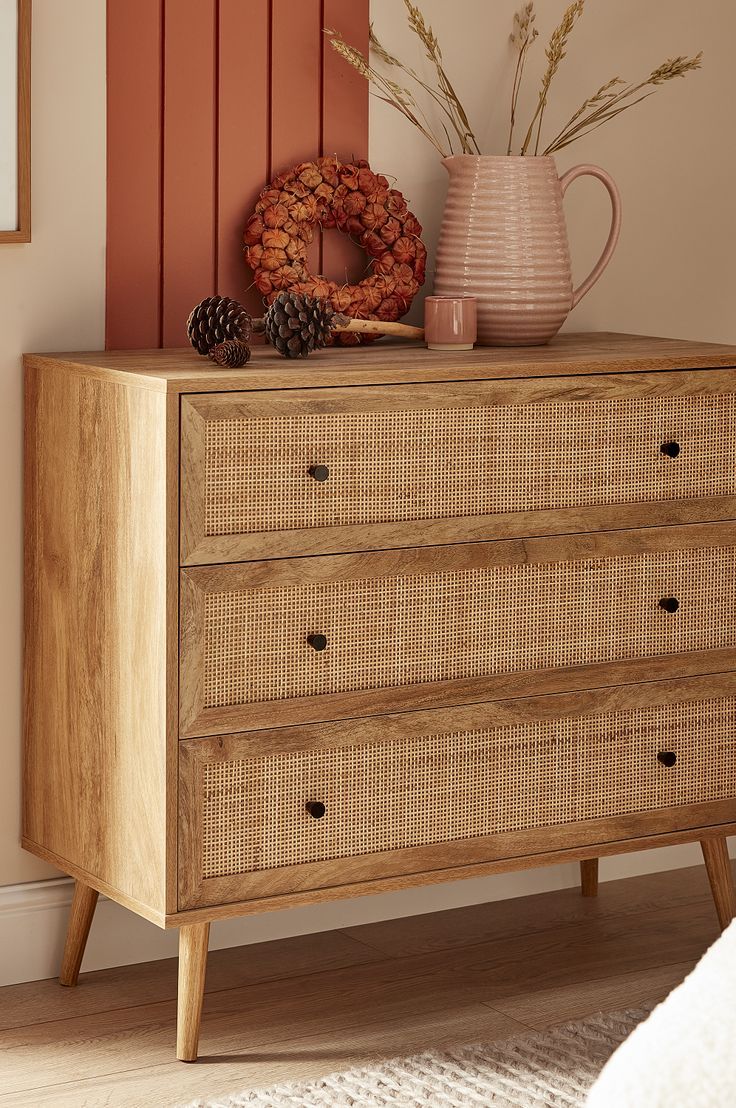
(284,473)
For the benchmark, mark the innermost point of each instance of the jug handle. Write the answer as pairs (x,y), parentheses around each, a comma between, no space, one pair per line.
(595,171)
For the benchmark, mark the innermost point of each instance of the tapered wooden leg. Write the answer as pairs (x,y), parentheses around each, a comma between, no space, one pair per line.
(720,875)
(589,877)
(82,910)
(193,940)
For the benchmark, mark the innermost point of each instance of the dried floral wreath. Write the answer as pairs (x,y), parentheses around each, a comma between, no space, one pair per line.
(327,193)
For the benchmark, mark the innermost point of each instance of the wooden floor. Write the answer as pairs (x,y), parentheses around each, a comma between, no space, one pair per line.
(302,1007)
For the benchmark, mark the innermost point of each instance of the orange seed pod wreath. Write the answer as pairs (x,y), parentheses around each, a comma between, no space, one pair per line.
(351,197)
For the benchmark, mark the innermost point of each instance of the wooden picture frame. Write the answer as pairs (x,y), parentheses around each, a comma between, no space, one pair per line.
(18,194)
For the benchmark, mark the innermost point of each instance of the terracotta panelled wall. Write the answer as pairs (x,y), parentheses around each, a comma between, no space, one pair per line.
(207,99)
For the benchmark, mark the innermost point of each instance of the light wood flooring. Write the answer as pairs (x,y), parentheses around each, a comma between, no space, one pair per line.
(302,1007)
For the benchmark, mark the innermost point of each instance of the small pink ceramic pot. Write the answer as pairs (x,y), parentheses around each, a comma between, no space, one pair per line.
(450,322)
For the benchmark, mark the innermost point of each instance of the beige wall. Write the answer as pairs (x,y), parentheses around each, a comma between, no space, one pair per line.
(51,297)
(674,156)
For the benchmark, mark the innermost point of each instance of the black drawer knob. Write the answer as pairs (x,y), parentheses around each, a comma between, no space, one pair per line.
(669,604)
(667,758)
(317,642)
(670,449)
(320,473)
(315,808)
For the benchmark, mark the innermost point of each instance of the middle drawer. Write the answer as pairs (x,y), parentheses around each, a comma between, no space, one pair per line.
(308,639)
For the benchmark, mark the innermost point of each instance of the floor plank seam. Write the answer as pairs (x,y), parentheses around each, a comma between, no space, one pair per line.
(172,999)
(602,914)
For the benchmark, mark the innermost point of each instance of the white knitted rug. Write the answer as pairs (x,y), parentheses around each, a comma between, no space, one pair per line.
(547,1069)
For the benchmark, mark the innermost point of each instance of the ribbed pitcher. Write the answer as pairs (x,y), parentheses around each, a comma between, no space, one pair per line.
(504,241)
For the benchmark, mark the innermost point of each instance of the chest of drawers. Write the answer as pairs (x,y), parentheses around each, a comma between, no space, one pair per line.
(384,618)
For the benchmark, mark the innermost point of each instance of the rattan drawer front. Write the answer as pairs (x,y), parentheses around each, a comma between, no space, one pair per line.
(454,615)
(411,456)
(414,790)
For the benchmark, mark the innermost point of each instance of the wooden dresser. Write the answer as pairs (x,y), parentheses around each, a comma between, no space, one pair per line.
(382,618)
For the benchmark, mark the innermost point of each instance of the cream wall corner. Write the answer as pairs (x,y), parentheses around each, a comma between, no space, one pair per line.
(52,293)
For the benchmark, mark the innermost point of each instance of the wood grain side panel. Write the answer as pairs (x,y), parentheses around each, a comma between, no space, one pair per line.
(243,136)
(95,712)
(189,162)
(112,892)
(134,138)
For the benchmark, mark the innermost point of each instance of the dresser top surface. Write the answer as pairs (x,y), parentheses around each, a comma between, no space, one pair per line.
(389,363)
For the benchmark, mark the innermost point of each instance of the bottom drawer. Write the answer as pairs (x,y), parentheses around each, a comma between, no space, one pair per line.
(279,811)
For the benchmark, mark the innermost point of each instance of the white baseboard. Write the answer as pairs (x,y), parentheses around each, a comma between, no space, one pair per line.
(33,916)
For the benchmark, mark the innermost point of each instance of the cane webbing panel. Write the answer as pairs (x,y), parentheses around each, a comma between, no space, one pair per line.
(445,463)
(442,626)
(440,788)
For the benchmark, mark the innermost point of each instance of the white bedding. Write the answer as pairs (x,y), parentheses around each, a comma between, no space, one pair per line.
(684,1054)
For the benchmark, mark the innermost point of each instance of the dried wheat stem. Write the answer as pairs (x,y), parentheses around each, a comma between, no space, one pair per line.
(555,53)
(389,59)
(522,37)
(603,95)
(432,48)
(390,92)
(606,105)
(587,129)
(608,102)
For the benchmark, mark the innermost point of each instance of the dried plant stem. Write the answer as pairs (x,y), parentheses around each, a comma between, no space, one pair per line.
(523,35)
(388,91)
(594,126)
(606,105)
(432,48)
(602,95)
(608,102)
(389,59)
(555,53)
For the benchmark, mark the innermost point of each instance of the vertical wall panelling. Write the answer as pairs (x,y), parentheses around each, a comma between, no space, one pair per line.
(296,89)
(344,121)
(189,177)
(243,138)
(134,73)
(207,99)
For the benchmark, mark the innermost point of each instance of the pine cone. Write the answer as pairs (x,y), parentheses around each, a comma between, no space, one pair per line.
(233,354)
(297,324)
(216,320)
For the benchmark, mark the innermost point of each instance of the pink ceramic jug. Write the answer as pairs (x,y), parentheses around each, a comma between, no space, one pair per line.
(504,241)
